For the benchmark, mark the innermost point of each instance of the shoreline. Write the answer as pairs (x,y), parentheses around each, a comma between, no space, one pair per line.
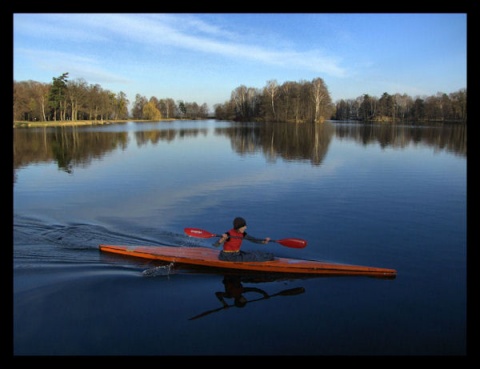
(69,123)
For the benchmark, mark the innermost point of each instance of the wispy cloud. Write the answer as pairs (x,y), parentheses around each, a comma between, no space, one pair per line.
(186,32)
(76,65)
(203,57)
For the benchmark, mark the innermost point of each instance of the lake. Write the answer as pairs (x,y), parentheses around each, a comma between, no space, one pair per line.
(392,196)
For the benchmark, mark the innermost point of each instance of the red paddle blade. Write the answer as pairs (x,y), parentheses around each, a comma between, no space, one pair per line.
(296,243)
(200,233)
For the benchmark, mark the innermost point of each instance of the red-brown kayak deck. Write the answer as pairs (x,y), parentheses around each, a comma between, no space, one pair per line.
(201,256)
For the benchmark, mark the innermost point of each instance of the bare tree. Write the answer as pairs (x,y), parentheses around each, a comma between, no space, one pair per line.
(271,89)
(321,100)
(77,95)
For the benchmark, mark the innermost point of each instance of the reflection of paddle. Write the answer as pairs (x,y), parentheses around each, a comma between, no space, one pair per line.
(296,243)
(289,292)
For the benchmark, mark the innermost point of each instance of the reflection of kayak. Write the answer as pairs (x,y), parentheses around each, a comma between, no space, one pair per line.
(202,256)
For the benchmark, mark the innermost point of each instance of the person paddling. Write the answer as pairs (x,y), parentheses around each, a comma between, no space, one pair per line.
(232,242)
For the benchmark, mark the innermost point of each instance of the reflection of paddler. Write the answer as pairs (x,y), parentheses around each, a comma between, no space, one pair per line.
(234,289)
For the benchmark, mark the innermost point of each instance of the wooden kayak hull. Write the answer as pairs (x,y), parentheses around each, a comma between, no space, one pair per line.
(202,256)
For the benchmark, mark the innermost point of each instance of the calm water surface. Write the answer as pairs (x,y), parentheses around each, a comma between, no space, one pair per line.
(376,195)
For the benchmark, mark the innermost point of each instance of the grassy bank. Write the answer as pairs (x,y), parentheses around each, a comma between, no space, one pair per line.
(25,124)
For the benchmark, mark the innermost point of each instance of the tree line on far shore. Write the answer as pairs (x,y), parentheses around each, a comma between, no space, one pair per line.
(297,102)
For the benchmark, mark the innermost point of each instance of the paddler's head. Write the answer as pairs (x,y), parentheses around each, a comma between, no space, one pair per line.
(239,222)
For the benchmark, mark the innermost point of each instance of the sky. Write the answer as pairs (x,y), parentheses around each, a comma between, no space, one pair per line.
(203,57)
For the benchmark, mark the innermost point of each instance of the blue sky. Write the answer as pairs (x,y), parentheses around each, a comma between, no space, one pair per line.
(202,58)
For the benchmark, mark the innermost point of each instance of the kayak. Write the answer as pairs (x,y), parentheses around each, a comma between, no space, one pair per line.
(202,256)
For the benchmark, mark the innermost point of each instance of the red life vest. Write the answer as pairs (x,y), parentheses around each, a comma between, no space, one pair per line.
(234,241)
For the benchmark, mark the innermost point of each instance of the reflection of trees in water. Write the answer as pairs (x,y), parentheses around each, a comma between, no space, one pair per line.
(71,147)
(297,141)
(282,140)
(452,138)
(64,145)
(155,136)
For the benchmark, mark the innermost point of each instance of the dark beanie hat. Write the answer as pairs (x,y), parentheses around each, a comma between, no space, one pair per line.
(239,223)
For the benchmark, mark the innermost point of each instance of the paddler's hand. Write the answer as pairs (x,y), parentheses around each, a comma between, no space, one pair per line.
(266,240)
(221,240)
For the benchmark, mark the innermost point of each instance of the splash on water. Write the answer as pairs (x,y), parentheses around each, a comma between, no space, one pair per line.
(161,270)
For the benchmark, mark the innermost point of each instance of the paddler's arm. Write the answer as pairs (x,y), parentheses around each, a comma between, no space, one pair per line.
(256,240)
(221,240)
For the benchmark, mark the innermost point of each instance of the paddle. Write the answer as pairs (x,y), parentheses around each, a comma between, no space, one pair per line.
(289,292)
(296,243)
